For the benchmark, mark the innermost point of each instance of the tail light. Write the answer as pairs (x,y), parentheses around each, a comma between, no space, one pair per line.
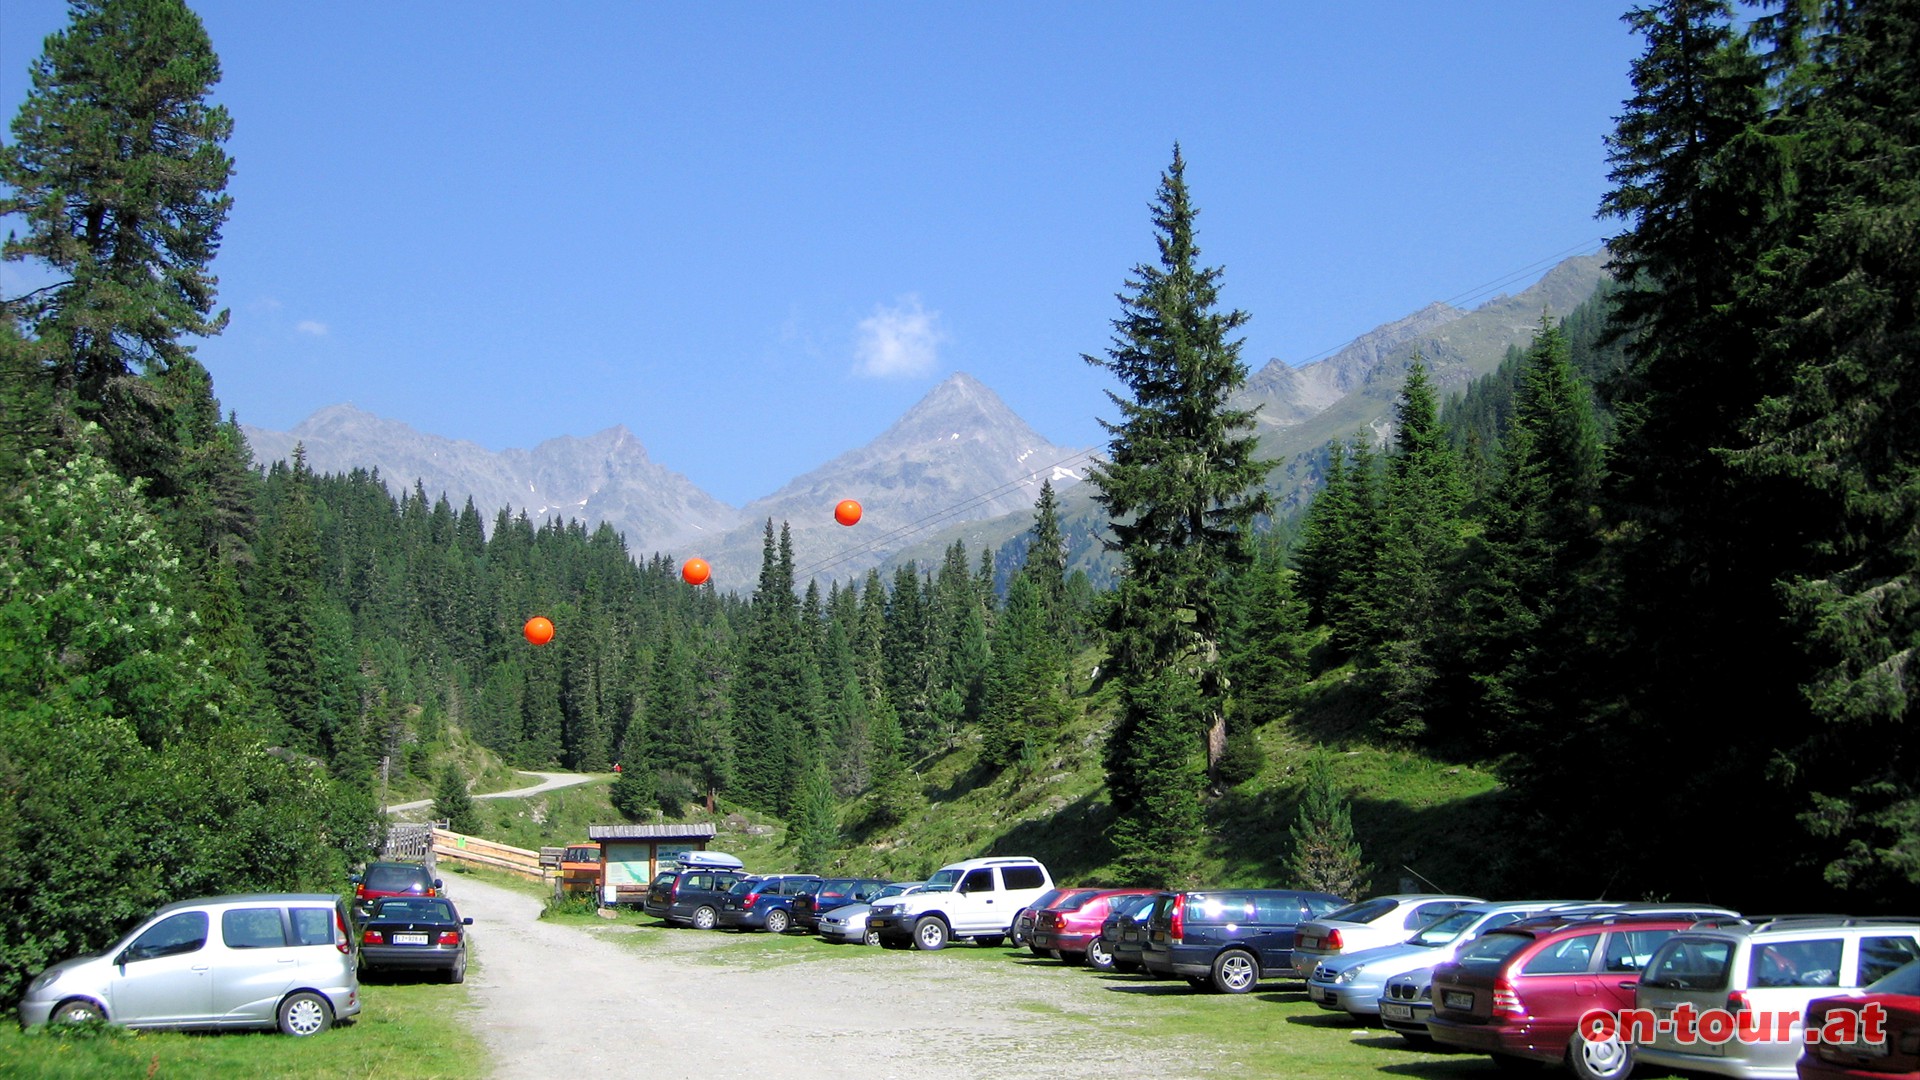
(342,940)
(1506,1000)
(1177,921)
(373,937)
(1332,941)
(449,937)
(1737,1002)
(752,899)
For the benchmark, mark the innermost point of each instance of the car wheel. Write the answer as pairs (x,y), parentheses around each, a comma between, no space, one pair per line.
(991,941)
(872,937)
(1607,1059)
(305,1013)
(458,972)
(76,1011)
(1235,972)
(930,934)
(1098,958)
(777,921)
(703,918)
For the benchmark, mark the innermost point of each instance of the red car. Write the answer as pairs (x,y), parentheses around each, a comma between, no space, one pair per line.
(1070,925)
(1896,999)
(1518,992)
(381,879)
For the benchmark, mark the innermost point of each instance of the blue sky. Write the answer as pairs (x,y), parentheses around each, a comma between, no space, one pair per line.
(756,234)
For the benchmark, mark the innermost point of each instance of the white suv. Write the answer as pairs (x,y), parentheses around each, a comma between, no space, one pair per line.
(975,899)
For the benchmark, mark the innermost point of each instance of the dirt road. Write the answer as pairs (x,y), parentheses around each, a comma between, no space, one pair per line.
(548,782)
(561,1003)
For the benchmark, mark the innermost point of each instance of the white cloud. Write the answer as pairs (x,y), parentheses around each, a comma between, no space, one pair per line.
(903,340)
(309,326)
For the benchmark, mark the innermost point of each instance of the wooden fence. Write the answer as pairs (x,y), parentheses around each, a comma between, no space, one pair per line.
(479,852)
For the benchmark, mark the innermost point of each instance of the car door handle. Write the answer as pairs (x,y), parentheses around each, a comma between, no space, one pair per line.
(200,967)
(286,959)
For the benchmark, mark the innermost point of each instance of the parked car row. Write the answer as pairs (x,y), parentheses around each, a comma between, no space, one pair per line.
(285,961)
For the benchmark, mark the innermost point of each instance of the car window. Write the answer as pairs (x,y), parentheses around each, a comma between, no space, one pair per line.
(1489,951)
(1568,956)
(182,933)
(1796,963)
(1023,877)
(252,928)
(1905,980)
(1364,911)
(1278,910)
(1422,914)
(1070,901)
(1443,931)
(1690,964)
(1881,956)
(1219,908)
(1318,907)
(978,881)
(312,925)
(1629,950)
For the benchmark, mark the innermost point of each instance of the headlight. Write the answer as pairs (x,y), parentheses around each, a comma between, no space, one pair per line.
(43,980)
(1347,975)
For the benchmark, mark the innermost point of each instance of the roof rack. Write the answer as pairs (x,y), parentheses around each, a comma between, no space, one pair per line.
(1760,924)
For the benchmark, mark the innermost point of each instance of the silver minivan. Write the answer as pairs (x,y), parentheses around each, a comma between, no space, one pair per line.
(261,960)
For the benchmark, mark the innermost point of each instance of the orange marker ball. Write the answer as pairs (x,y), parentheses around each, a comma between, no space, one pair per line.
(695,571)
(847,513)
(539,630)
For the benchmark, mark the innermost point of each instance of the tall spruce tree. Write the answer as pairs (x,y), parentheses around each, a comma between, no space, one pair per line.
(117,169)
(1180,486)
(1403,607)
(1843,344)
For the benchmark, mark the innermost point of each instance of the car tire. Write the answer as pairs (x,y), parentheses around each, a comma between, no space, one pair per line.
(778,921)
(704,918)
(872,938)
(458,972)
(1611,1059)
(1098,958)
(930,934)
(1235,972)
(304,1013)
(77,1011)
(991,941)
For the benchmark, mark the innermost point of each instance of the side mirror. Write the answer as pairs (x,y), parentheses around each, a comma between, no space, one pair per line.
(354,879)
(468,921)
(437,884)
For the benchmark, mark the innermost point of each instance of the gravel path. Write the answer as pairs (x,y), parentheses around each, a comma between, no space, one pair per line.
(562,1003)
(548,781)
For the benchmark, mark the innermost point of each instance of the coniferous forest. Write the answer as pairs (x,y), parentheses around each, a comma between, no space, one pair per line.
(1661,571)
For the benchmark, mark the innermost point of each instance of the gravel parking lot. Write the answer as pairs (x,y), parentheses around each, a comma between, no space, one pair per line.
(557,1001)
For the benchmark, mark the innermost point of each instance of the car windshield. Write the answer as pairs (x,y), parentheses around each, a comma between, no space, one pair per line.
(1443,931)
(942,881)
(395,878)
(1364,911)
(744,886)
(1069,900)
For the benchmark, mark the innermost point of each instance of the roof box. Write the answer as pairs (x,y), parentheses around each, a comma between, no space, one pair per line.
(711,860)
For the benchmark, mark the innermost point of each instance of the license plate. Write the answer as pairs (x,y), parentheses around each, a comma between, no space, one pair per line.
(1390,1011)
(878,924)
(409,939)
(1458,999)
